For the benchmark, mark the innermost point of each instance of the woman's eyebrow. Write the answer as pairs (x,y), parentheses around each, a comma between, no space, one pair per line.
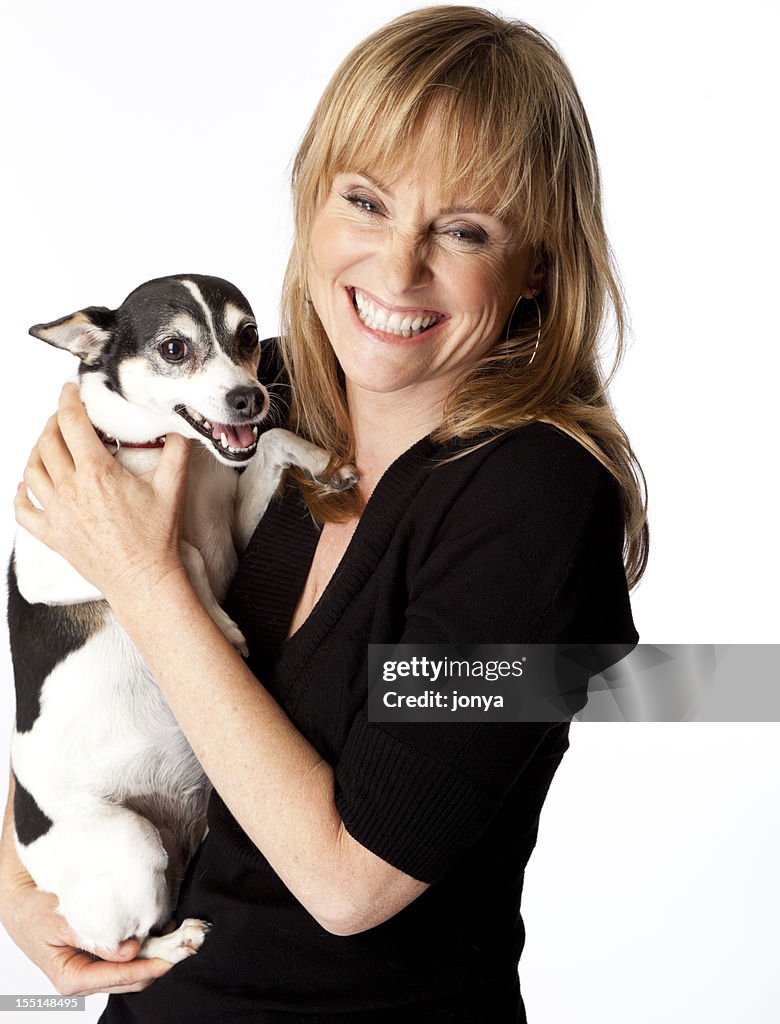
(467,209)
(376,184)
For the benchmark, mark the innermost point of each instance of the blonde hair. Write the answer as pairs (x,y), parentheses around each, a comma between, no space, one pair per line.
(530,155)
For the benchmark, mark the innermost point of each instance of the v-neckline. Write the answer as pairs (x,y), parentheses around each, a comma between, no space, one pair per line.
(368,542)
(307,572)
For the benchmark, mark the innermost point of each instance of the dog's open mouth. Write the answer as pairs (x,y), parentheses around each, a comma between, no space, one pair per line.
(236,441)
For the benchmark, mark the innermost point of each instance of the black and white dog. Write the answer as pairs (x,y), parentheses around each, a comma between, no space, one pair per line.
(110,800)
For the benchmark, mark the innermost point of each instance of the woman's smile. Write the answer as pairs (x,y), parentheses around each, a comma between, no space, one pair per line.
(390,323)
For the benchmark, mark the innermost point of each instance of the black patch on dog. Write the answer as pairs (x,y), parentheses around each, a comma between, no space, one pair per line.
(30,821)
(41,637)
(217,292)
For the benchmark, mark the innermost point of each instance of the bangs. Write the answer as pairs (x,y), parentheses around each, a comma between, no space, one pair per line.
(488,147)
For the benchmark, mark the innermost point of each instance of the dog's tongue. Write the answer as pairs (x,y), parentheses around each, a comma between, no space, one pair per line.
(238,436)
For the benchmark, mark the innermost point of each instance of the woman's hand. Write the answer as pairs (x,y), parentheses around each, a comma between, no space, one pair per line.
(31,920)
(119,531)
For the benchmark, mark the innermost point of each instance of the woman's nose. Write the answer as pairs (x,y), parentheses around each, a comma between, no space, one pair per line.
(406,264)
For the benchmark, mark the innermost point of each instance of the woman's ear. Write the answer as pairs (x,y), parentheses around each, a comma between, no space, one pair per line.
(536,278)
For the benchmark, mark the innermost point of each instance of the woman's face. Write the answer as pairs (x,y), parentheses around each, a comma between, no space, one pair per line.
(411,291)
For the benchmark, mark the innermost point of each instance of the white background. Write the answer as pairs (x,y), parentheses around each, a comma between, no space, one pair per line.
(155,138)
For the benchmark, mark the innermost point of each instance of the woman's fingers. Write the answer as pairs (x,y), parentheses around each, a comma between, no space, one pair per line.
(77,973)
(78,434)
(53,452)
(127,950)
(37,479)
(170,476)
(27,515)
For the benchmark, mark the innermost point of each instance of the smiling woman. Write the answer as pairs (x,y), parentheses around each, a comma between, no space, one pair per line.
(450,158)
(442,307)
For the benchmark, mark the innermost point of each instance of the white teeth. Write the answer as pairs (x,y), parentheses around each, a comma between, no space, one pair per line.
(223,440)
(254,431)
(239,451)
(377,319)
(197,418)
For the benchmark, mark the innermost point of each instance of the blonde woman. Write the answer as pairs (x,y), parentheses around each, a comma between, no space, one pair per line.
(443,303)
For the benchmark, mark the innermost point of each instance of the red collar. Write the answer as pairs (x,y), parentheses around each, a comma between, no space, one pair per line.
(158,442)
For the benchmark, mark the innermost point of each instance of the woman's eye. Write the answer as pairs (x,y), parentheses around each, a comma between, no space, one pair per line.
(471,236)
(248,337)
(173,350)
(362,202)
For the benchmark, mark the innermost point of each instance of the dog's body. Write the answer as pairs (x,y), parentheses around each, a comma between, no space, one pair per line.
(110,800)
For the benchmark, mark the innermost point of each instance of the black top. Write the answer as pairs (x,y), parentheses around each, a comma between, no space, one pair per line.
(519,541)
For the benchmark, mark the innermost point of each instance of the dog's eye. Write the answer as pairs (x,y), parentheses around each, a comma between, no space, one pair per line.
(247,338)
(173,350)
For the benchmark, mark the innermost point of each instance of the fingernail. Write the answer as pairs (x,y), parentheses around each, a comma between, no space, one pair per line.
(126,947)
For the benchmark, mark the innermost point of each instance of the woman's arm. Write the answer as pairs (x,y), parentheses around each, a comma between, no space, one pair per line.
(275,783)
(30,917)
(121,533)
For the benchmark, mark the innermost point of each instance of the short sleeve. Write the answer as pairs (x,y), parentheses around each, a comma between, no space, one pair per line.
(531,552)
(419,795)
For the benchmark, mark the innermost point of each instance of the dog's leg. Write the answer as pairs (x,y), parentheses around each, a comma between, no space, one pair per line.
(196,570)
(277,450)
(177,945)
(108,869)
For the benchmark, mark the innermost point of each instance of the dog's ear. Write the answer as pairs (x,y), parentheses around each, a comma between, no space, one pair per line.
(85,333)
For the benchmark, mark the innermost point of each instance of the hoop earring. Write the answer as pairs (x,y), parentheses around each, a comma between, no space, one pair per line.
(539,318)
(539,331)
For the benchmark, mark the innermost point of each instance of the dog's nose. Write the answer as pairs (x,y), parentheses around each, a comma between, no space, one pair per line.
(247,401)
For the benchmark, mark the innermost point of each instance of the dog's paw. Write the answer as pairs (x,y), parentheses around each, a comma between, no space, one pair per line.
(342,480)
(177,945)
(230,630)
(238,640)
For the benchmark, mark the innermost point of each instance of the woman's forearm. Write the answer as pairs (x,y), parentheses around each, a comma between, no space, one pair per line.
(277,786)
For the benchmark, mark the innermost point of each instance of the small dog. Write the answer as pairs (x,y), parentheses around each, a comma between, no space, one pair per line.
(110,801)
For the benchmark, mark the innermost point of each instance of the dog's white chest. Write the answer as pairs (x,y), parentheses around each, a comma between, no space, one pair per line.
(209,509)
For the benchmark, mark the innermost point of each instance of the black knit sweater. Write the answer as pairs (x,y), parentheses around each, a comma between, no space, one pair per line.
(519,541)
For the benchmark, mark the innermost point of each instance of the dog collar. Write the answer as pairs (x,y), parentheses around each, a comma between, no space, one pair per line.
(158,442)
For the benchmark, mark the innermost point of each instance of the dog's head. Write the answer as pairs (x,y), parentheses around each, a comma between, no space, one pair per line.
(180,354)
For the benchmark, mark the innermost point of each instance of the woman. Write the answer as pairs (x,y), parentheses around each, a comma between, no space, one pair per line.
(442,307)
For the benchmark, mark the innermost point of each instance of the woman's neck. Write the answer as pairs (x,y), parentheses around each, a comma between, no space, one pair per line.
(387,425)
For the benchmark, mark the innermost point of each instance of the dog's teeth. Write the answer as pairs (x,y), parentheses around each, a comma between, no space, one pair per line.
(223,440)
(207,425)
(254,431)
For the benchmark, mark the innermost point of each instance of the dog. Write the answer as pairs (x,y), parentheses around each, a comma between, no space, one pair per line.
(110,801)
